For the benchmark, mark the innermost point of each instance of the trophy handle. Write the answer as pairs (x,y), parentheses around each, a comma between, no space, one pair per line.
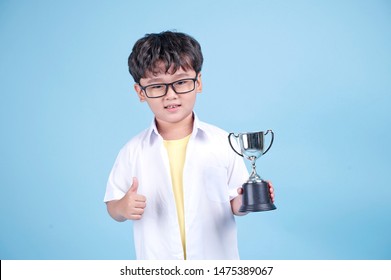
(271,142)
(229,140)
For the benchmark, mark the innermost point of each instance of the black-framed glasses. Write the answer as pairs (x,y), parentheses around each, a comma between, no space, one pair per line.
(180,87)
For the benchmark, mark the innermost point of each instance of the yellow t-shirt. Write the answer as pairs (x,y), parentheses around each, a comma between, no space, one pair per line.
(176,150)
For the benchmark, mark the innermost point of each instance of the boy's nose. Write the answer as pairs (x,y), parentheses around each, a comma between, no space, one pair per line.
(170,92)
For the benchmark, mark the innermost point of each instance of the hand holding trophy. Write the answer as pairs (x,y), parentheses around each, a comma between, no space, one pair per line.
(256,196)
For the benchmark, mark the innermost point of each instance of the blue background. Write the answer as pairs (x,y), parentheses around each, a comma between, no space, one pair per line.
(316,72)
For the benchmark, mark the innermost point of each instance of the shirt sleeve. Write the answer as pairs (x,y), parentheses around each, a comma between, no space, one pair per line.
(120,178)
(238,173)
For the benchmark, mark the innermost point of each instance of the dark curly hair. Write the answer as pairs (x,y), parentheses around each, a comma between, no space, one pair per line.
(173,49)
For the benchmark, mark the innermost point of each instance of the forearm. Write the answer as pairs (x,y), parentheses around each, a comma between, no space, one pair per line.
(113,207)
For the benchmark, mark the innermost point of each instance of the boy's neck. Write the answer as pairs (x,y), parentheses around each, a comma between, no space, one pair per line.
(175,131)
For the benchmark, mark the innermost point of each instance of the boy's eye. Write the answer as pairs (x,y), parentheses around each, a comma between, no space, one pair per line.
(156,86)
(181,83)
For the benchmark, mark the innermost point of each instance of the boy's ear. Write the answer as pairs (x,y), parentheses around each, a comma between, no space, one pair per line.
(140,92)
(199,83)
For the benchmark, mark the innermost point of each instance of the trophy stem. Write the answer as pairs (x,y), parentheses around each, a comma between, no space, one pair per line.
(254,176)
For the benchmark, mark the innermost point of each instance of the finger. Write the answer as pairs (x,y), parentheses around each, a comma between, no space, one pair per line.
(140,198)
(134,187)
(137,211)
(141,205)
(240,190)
(134,217)
(271,189)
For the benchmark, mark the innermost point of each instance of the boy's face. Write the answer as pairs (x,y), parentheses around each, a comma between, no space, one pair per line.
(171,108)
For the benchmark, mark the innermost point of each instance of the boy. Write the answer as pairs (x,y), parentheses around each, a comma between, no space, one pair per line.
(179,180)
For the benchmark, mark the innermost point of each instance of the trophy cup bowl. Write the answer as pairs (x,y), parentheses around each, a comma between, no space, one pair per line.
(256,193)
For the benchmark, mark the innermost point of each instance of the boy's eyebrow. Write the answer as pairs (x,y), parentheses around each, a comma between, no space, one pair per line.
(175,77)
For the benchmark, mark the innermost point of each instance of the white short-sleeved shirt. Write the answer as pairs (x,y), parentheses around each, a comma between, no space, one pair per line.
(212,173)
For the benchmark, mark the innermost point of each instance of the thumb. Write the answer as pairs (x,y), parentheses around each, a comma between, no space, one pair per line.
(134,187)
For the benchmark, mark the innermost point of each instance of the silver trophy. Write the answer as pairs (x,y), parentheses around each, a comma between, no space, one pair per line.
(256,194)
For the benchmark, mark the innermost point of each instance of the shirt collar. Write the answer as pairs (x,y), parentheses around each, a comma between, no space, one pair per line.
(153,133)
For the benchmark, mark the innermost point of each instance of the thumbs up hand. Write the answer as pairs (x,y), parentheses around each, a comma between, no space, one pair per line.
(133,204)
(130,207)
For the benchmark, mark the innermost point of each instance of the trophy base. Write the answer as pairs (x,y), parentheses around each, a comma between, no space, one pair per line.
(256,197)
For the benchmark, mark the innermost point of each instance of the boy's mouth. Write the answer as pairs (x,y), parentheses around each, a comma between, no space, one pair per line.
(172,106)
